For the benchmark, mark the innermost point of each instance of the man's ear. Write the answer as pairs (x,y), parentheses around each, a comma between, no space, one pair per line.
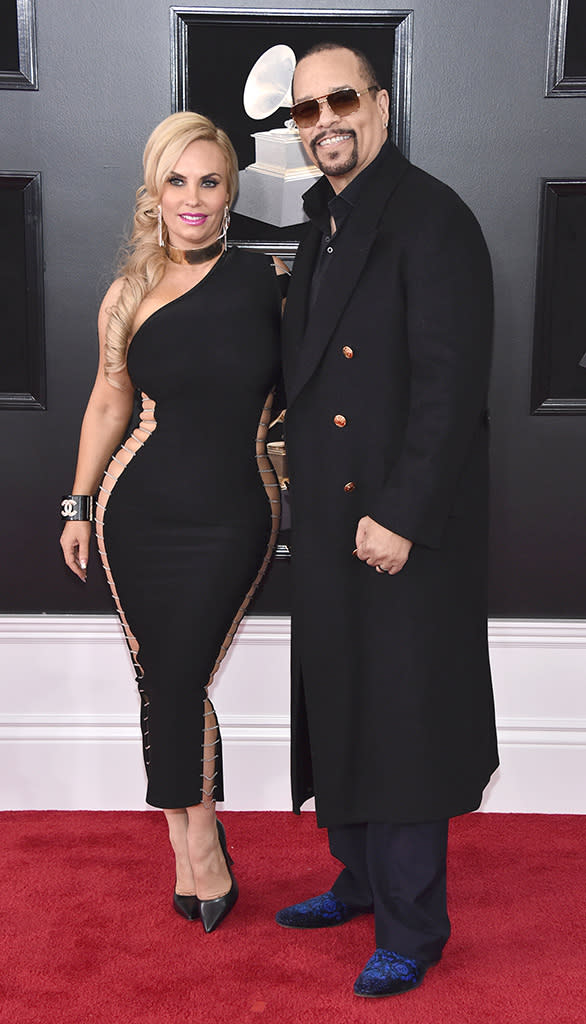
(383,104)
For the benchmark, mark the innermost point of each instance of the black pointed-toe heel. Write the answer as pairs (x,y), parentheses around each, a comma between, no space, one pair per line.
(187,906)
(213,912)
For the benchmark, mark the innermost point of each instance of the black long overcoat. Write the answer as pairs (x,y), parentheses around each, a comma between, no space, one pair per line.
(392,709)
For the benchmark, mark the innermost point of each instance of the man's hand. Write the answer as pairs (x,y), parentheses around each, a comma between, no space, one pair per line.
(381,548)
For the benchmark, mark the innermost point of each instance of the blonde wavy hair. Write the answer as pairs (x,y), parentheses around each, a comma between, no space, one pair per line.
(142,260)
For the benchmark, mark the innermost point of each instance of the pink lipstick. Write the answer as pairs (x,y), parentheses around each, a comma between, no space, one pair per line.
(193,219)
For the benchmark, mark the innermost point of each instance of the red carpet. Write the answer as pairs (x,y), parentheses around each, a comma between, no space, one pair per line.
(88,933)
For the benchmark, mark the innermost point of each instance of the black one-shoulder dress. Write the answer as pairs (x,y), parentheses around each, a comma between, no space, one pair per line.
(188,510)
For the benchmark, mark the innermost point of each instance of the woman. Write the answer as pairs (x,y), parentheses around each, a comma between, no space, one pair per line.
(184,524)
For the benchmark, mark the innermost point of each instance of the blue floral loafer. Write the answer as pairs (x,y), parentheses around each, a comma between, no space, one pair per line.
(389,974)
(323,911)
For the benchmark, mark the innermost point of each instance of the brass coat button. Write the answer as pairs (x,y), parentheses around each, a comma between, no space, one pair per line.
(340,420)
(350,486)
(348,352)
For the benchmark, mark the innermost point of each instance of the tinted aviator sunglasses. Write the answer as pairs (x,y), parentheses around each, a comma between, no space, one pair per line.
(341,102)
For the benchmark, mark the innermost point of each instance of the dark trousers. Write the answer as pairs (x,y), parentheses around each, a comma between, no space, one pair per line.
(399,872)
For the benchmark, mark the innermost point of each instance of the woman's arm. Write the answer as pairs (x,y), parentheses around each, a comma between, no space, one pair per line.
(104,424)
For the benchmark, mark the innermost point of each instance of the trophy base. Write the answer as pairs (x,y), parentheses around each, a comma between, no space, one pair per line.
(272,196)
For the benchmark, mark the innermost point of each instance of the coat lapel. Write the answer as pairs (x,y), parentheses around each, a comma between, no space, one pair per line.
(306,337)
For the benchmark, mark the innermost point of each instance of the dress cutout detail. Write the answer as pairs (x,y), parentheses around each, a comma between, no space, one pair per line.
(137,438)
(186,530)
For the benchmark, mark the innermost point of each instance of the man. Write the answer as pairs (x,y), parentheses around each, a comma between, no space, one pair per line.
(386,357)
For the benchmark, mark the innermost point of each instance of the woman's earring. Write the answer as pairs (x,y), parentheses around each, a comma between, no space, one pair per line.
(225,225)
(160,218)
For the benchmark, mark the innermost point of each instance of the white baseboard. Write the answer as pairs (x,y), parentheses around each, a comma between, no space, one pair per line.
(69,735)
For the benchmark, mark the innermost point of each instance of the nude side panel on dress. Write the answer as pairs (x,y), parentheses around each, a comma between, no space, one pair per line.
(211,737)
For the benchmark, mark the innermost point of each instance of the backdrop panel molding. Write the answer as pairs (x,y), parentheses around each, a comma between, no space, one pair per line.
(566,49)
(18,69)
(22,369)
(558,385)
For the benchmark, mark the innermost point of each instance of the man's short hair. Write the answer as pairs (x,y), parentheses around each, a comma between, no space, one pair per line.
(364,63)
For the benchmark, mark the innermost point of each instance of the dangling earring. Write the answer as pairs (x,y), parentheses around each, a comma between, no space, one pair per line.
(160,219)
(225,225)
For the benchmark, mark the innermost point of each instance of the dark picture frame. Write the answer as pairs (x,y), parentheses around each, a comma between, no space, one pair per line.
(22,358)
(566,54)
(559,368)
(18,45)
(214,48)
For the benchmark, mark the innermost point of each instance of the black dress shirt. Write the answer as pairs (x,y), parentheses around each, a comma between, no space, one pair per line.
(321,204)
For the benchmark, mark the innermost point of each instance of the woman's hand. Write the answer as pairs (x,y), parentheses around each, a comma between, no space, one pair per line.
(75,541)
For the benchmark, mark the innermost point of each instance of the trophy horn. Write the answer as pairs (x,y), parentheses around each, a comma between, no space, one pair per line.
(268,85)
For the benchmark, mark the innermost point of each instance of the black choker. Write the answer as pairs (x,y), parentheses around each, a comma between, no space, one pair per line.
(191,256)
